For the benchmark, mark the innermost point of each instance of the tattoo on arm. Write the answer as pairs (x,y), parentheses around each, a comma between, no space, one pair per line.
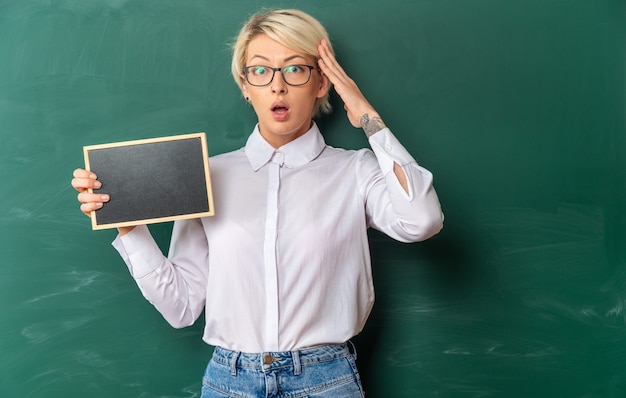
(371,126)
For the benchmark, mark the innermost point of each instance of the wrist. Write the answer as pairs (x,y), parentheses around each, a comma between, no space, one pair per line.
(371,124)
(124,230)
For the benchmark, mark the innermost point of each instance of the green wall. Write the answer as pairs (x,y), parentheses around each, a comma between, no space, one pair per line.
(517,106)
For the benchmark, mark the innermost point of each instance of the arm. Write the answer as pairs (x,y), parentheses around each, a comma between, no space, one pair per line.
(400,198)
(360,112)
(176,286)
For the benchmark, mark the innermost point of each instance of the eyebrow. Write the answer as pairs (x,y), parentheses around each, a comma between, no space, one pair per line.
(291,58)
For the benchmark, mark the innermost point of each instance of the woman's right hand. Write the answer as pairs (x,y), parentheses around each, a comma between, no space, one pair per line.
(83,181)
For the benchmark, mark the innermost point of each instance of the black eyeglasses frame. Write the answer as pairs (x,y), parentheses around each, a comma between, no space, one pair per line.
(246,69)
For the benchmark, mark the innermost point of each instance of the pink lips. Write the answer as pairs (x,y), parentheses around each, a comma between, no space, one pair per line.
(280,111)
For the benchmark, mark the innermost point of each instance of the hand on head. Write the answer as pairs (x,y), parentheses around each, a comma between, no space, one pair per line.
(355,103)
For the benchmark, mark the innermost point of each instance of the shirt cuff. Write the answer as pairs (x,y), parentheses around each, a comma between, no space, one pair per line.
(139,250)
(389,150)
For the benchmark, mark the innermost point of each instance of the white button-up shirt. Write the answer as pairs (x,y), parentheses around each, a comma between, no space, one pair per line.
(284,263)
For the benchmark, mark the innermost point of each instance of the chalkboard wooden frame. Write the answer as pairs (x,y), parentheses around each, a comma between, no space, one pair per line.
(151,180)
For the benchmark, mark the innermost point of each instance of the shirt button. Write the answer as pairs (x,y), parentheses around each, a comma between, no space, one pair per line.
(388,148)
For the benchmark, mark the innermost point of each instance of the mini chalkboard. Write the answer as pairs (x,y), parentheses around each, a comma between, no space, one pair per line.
(152,180)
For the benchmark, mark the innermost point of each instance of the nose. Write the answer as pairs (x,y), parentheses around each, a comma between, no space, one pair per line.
(278,84)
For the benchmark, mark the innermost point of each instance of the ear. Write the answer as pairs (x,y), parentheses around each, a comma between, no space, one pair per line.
(244,90)
(324,85)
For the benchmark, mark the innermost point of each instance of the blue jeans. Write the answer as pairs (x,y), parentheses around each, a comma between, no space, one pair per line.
(319,372)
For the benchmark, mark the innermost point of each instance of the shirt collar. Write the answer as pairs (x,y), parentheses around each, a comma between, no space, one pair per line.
(295,153)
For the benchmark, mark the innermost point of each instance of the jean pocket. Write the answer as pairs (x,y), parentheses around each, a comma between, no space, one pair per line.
(219,382)
(209,392)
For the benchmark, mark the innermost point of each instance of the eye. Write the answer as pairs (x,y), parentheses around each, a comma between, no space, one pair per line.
(293,69)
(258,70)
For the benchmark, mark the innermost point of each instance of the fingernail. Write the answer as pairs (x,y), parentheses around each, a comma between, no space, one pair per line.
(104,198)
(98,204)
(93,176)
(97,184)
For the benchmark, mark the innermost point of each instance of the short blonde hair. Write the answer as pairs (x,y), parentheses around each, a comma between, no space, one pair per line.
(294,29)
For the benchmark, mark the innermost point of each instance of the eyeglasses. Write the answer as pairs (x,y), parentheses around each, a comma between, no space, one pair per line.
(293,75)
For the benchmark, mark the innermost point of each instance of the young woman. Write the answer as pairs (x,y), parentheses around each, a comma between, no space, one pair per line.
(282,270)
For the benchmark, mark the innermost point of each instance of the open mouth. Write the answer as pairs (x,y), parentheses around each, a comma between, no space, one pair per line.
(280,110)
(279,107)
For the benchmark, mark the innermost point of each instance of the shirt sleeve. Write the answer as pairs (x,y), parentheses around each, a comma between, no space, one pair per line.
(175,285)
(405,216)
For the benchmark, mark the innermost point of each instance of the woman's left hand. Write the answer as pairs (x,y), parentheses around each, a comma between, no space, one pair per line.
(355,103)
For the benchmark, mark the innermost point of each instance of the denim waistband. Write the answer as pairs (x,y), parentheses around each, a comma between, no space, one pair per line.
(273,360)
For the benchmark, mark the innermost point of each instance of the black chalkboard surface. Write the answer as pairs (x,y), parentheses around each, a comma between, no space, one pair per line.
(152,180)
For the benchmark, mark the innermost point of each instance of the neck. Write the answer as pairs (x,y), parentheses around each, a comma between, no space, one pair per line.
(278,140)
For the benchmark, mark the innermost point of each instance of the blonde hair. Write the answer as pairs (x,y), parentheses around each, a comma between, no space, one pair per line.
(294,29)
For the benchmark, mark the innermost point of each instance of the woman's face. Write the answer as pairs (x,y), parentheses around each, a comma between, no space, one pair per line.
(284,111)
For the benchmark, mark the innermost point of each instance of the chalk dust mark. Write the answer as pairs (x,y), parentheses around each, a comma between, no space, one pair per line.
(42,332)
(81,279)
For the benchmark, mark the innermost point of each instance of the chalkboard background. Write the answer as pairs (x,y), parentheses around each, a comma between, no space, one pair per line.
(517,106)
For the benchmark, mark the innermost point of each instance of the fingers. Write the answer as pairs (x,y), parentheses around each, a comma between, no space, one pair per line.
(329,65)
(355,103)
(83,181)
(91,201)
(86,197)
(344,85)
(87,208)
(82,173)
(329,59)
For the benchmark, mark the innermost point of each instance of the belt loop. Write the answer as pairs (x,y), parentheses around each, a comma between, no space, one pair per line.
(353,348)
(233,363)
(297,366)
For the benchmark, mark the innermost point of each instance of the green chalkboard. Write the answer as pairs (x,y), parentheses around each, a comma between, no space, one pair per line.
(516,106)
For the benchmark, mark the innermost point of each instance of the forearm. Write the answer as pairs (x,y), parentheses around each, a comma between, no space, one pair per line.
(407,217)
(405,208)
(176,291)
(373,125)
